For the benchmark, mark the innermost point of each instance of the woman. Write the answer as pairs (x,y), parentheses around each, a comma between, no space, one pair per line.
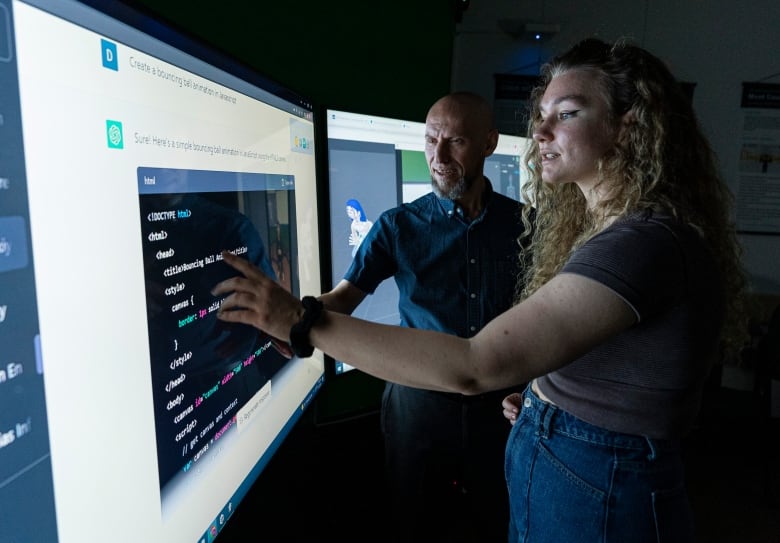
(359,225)
(633,288)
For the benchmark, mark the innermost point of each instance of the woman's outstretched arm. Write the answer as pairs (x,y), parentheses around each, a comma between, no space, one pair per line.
(561,321)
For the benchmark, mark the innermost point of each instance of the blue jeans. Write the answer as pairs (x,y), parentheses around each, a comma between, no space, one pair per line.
(575,482)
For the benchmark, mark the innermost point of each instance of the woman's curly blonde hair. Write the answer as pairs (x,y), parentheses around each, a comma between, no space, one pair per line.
(661,161)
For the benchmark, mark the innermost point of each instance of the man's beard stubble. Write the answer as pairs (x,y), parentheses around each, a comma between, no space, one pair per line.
(454,192)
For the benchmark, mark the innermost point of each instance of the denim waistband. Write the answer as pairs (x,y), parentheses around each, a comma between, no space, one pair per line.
(491,396)
(550,419)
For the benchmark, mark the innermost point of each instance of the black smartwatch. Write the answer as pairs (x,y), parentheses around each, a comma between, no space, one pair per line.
(299,333)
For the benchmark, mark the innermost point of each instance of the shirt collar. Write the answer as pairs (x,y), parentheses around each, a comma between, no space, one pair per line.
(453,209)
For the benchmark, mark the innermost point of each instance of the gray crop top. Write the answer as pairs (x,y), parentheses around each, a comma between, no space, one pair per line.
(648,379)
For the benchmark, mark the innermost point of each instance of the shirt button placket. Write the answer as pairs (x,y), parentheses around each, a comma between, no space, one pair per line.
(474,312)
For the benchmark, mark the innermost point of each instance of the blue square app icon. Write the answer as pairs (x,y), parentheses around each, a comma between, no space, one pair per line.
(108,52)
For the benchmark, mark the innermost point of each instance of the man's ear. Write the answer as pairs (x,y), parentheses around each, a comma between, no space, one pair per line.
(492,142)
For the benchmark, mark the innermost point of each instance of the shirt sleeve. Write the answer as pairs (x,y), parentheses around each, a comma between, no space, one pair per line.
(374,262)
(642,262)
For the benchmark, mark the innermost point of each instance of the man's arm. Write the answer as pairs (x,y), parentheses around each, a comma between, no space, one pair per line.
(344,297)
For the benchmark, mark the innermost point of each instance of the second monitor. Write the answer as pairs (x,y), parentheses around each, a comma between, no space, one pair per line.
(376,163)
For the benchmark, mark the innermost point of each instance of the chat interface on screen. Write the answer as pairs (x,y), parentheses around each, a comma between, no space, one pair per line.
(127,409)
(376,163)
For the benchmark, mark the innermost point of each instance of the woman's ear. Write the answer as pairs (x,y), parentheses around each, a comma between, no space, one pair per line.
(626,121)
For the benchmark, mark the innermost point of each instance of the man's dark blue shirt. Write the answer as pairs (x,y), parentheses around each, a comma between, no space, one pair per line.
(453,275)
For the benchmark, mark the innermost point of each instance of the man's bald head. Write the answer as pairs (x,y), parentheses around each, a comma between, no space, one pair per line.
(475,112)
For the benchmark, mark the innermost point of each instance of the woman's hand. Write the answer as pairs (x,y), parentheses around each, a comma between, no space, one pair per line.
(255,299)
(512,405)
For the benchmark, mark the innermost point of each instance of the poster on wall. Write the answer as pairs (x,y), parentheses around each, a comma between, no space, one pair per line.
(758,195)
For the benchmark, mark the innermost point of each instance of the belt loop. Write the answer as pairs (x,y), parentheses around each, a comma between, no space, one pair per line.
(546,422)
(653,454)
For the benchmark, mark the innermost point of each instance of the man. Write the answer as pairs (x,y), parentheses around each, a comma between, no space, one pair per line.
(454,255)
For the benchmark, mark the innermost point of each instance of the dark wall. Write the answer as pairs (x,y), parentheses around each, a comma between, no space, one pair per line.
(385,58)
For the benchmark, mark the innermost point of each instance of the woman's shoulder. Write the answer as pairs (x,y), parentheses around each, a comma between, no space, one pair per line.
(661,227)
(363,226)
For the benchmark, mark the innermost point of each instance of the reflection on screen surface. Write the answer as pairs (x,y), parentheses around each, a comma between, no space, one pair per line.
(379,162)
(127,410)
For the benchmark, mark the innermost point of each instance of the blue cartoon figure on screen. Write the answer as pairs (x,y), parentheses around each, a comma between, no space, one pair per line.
(360,224)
